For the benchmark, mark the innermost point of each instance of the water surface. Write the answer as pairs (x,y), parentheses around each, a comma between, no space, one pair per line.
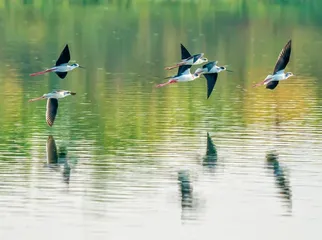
(125,160)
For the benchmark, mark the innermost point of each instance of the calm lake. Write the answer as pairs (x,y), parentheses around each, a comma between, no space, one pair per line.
(127,160)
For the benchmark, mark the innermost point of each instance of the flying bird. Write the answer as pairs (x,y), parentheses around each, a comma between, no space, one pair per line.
(62,67)
(210,71)
(271,81)
(184,74)
(52,103)
(189,60)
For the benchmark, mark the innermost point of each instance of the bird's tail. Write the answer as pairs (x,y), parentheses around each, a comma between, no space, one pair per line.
(42,72)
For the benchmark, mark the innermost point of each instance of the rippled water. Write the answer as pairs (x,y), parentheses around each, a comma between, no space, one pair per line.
(125,160)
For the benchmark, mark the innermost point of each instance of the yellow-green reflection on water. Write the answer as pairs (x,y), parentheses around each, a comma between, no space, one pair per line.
(122,143)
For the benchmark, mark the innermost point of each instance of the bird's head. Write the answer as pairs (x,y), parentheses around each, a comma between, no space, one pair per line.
(196,74)
(224,68)
(289,74)
(204,59)
(67,93)
(76,65)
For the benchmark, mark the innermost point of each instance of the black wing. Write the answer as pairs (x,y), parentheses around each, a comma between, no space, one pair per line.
(62,75)
(283,58)
(183,68)
(51,150)
(271,85)
(209,65)
(64,56)
(197,56)
(211,81)
(51,111)
(184,53)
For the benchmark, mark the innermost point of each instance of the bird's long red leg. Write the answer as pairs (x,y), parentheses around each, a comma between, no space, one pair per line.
(42,72)
(36,99)
(172,67)
(262,82)
(169,82)
(163,84)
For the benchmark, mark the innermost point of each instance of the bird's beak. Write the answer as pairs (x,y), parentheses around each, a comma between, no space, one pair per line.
(229,70)
(72,93)
(81,67)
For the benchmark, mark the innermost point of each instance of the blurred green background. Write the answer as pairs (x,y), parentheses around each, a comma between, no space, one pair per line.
(125,46)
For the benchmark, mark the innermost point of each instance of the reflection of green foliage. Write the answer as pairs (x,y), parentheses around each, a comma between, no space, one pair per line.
(124,46)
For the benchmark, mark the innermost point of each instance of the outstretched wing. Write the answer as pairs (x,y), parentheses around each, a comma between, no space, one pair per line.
(283,58)
(184,55)
(211,81)
(184,52)
(62,75)
(64,56)
(210,65)
(197,56)
(271,85)
(51,111)
(183,68)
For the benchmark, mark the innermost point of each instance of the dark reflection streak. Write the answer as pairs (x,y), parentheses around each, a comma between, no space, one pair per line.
(210,160)
(54,159)
(185,188)
(51,151)
(66,172)
(281,179)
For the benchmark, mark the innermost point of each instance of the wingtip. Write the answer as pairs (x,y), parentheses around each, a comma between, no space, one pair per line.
(182,46)
(289,43)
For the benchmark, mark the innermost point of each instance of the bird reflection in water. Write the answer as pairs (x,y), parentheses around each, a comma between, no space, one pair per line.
(188,201)
(281,178)
(56,159)
(185,187)
(210,159)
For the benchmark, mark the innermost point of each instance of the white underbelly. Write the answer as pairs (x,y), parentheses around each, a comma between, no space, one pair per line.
(199,61)
(214,70)
(185,78)
(276,77)
(63,69)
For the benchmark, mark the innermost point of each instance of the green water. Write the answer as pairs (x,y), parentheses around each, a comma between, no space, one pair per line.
(252,156)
